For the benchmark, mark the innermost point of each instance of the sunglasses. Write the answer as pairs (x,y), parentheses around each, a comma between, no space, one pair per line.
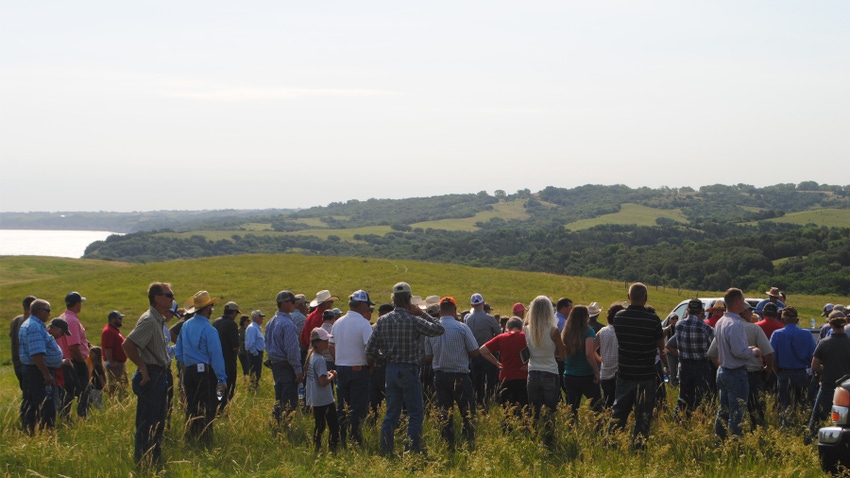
(170,295)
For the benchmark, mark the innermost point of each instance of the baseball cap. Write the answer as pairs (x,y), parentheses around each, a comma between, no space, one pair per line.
(320,334)
(476,299)
(73,297)
(60,324)
(361,296)
(519,307)
(328,315)
(402,288)
(827,309)
(770,309)
(231,307)
(115,315)
(257,313)
(695,305)
(285,296)
(448,299)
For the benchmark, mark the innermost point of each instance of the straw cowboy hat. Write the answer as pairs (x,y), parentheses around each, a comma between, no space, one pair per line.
(321,297)
(593,309)
(431,300)
(773,292)
(200,300)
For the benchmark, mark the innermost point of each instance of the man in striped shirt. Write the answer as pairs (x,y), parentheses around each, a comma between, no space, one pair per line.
(640,338)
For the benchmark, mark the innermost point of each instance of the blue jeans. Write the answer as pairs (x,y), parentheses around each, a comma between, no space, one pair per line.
(36,409)
(694,379)
(822,407)
(637,394)
(403,388)
(733,389)
(793,384)
(201,403)
(255,368)
(285,389)
(756,402)
(451,388)
(544,390)
(578,386)
(485,378)
(151,412)
(352,391)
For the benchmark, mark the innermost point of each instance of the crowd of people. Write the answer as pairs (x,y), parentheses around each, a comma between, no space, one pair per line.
(343,366)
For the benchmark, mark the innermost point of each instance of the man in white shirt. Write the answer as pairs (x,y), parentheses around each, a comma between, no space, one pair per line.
(350,334)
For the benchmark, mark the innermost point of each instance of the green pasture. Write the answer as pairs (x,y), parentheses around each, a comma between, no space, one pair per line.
(245,443)
(630,214)
(819,217)
(506,210)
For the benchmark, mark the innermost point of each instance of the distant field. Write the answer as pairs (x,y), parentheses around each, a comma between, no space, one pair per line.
(630,214)
(820,217)
(344,234)
(505,210)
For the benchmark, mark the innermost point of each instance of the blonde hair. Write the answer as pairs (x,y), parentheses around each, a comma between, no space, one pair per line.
(541,319)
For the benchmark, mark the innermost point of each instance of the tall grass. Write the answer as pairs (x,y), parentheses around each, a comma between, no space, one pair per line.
(246,445)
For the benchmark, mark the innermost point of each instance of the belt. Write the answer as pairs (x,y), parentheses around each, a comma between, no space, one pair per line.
(792,369)
(734,369)
(155,368)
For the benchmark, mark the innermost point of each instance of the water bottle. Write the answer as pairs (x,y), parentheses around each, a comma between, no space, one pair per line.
(302,395)
(219,394)
(48,392)
(813,323)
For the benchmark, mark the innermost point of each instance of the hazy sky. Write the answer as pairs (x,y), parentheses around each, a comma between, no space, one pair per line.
(130,106)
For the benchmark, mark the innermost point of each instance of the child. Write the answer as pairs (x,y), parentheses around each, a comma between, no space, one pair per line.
(319,392)
(98,378)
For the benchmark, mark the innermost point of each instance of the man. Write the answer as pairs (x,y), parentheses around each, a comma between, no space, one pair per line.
(284,356)
(562,312)
(734,353)
(204,377)
(255,344)
(793,348)
(350,334)
(693,338)
(770,323)
(146,346)
(378,373)
(324,301)
(831,361)
(607,347)
(518,310)
(717,309)
(773,297)
(112,343)
(449,355)
(639,339)
(396,340)
(75,347)
(228,334)
(485,375)
(13,335)
(299,318)
(593,311)
(40,356)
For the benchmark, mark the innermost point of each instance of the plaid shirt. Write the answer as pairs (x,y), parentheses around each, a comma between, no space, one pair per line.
(397,337)
(608,351)
(451,350)
(693,338)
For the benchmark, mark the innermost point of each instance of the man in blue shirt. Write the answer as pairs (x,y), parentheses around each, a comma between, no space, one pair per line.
(773,296)
(793,349)
(40,356)
(449,355)
(255,344)
(284,350)
(204,377)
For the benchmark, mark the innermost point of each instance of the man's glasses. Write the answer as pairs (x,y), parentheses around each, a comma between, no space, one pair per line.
(170,295)
(36,310)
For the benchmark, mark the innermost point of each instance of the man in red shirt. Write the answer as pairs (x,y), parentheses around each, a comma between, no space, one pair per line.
(323,301)
(112,343)
(717,309)
(771,321)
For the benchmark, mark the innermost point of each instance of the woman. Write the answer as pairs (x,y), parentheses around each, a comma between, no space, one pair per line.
(513,372)
(544,346)
(581,371)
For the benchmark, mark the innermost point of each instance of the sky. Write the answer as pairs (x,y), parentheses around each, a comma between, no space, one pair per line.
(190,105)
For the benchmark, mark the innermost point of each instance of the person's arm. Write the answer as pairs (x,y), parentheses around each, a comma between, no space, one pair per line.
(560,349)
(596,348)
(488,356)
(42,367)
(817,366)
(132,351)
(590,353)
(660,344)
(713,353)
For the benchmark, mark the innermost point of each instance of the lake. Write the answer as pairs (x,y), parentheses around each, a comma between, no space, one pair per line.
(27,242)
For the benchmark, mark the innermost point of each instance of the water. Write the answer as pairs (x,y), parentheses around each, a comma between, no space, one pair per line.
(27,242)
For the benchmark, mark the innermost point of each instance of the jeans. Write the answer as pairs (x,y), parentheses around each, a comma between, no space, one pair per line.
(578,386)
(151,413)
(451,388)
(694,379)
(609,391)
(325,414)
(76,385)
(637,394)
(255,368)
(403,388)
(544,390)
(377,386)
(822,407)
(793,384)
(352,391)
(201,403)
(485,377)
(285,389)
(245,362)
(733,389)
(36,409)
(756,400)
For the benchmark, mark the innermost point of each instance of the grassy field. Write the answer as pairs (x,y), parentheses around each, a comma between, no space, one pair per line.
(630,214)
(821,217)
(244,443)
